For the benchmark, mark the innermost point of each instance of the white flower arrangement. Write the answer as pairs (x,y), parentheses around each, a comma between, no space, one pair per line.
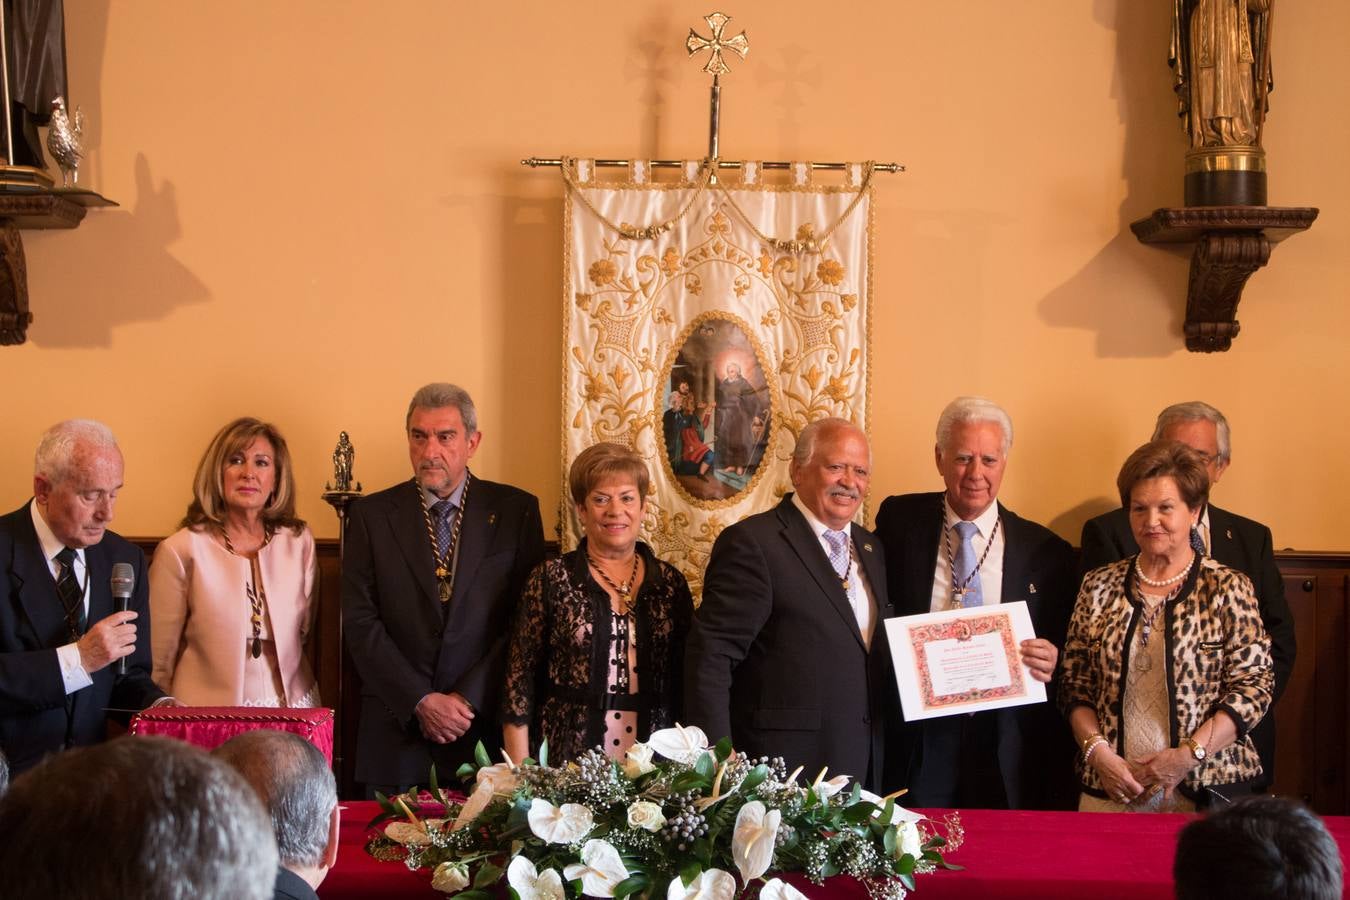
(675,819)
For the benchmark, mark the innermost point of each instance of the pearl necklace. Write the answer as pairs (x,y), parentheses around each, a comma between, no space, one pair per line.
(1166,581)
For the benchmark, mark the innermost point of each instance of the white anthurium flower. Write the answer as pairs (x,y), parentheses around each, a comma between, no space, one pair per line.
(898,813)
(564,824)
(682,744)
(646,815)
(409,834)
(827,789)
(499,779)
(473,806)
(713,884)
(531,884)
(778,889)
(600,870)
(450,877)
(638,760)
(910,840)
(752,843)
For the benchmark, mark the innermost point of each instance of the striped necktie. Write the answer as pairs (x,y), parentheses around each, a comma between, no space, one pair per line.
(71,594)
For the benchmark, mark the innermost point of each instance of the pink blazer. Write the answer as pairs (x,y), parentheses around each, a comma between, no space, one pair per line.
(199,614)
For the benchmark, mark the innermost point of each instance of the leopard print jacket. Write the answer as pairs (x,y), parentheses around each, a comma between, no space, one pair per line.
(1218,658)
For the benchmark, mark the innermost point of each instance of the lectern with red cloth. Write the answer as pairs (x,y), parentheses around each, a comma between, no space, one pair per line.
(210,726)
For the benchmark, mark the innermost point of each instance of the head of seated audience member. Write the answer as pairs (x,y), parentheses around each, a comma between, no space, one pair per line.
(297,789)
(135,817)
(1259,848)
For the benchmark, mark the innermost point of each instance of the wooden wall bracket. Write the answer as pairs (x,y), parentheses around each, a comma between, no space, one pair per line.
(1231,242)
(31,208)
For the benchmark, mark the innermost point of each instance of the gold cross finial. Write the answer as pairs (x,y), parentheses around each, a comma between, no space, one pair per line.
(716,64)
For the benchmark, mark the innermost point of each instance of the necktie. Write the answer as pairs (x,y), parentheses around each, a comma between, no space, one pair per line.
(440,512)
(1197,541)
(966,573)
(839,557)
(71,594)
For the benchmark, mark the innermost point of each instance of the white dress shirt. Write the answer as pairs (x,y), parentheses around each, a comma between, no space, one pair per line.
(991,571)
(859,590)
(73,675)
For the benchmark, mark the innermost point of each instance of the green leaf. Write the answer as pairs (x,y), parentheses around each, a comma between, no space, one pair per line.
(488,874)
(435,786)
(631,885)
(512,893)
(829,869)
(854,795)
(723,749)
(387,805)
(890,841)
(543,753)
(689,872)
(687,781)
(705,766)
(480,756)
(755,777)
(466,771)
(859,812)
(907,881)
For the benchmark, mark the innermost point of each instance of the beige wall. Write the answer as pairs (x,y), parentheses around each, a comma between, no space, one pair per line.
(322,209)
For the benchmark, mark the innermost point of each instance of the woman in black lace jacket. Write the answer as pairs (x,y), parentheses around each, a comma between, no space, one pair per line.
(598,638)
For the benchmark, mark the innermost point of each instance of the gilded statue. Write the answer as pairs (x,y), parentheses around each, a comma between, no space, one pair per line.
(343,456)
(1220,55)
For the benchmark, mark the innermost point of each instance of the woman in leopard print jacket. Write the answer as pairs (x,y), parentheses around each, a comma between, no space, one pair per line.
(1167,665)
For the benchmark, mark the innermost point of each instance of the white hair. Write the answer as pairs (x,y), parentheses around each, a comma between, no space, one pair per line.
(805,448)
(1197,411)
(964,410)
(56,449)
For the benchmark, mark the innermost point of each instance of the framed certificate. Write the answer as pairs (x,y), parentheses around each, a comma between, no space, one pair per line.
(962,660)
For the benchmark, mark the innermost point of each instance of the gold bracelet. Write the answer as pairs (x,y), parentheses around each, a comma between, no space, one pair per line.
(1087,740)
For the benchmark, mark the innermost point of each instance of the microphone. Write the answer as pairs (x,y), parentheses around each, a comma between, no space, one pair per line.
(123,581)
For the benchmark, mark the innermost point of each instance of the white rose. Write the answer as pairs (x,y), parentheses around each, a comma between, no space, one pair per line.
(450,877)
(638,760)
(910,842)
(645,814)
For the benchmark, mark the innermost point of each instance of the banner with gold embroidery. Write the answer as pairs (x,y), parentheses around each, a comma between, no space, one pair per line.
(704,325)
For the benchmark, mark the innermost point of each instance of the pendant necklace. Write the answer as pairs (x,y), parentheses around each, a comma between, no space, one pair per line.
(445,565)
(625,589)
(962,587)
(1145,662)
(253,589)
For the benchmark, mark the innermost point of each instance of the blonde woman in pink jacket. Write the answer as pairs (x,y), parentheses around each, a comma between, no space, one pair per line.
(232,591)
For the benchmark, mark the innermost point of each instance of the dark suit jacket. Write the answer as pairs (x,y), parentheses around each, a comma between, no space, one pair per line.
(1035,749)
(775,658)
(1238,543)
(36,716)
(406,644)
(290,886)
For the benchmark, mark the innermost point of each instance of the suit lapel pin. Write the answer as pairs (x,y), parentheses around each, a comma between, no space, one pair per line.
(1229,534)
(1031,588)
(867,547)
(492,518)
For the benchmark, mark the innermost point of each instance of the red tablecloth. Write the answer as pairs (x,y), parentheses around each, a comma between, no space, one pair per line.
(1007,855)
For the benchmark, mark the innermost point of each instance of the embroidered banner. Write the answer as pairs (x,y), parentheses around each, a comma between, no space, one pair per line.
(737,314)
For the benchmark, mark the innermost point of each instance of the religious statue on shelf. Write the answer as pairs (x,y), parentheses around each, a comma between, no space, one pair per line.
(35,53)
(343,457)
(1220,55)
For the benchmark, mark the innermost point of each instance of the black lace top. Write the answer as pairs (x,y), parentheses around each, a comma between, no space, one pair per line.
(557,670)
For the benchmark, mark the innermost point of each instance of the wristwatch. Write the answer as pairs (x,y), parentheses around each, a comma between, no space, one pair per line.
(1198,752)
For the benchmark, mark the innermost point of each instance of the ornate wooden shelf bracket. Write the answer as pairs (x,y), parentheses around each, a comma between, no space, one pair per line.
(31,208)
(1231,242)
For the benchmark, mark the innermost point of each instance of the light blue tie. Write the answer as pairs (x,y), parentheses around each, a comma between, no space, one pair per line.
(965,566)
(838,541)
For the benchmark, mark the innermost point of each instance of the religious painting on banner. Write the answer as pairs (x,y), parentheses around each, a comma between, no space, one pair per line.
(705,324)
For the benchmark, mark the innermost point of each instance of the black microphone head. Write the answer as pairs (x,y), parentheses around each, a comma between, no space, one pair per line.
(123,580)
